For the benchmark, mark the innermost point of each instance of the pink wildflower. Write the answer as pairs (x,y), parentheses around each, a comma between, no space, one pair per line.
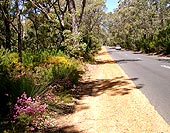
(32,108)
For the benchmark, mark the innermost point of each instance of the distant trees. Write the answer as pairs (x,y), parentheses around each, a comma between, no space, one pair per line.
(142,25)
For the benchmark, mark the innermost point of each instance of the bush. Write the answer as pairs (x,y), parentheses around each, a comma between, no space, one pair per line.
(73,44)
(163,39)
(34,77)
(93,45)
(28,113)
(65,75)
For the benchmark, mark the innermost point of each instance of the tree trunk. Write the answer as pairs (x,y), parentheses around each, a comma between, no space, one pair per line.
(74,24)
(7,34)
(6,19)
(19,39)
(72,10)
(19,31)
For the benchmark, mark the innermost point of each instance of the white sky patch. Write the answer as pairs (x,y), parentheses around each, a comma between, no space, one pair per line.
(111,5)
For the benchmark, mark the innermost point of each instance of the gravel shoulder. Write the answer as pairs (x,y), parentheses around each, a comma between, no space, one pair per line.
(110,103)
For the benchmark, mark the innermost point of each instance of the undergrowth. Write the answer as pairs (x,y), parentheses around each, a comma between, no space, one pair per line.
(50,76)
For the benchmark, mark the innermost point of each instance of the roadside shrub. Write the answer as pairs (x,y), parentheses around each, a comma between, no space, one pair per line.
(33,78)
(92,46)
(35,58)
(164,39)
(57,60)
(5,84)
(59,68)
(28,113)
(11,88)
(64,75)
(8,60)
(73,44)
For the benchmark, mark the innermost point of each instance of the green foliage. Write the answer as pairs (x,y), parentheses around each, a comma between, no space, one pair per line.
(92,48)
(163,38)
(23,119)
(92,43)
(60,68)
(65,71)
(7,58)
(73,44)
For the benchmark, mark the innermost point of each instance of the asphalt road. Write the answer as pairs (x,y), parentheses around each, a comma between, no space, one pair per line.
(151,74)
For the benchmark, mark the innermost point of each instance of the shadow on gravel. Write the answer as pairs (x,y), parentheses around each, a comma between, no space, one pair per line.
(62,109)
(66,129)
(94,88)
(105,62)
(102,53)
(118,86)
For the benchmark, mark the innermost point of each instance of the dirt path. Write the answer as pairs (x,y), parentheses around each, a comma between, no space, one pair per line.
(112,104)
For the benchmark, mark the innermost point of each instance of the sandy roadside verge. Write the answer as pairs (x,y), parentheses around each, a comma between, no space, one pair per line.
(112,104)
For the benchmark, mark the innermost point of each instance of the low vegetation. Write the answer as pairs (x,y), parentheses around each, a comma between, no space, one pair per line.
(27,88)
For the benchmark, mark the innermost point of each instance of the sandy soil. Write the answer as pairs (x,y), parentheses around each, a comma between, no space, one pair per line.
(110,103)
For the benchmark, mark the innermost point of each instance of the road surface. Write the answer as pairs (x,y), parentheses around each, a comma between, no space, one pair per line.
(151,74)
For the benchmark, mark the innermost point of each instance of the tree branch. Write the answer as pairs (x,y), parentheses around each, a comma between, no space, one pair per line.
(55,10)
(39,7)
(82,11)
(65,9)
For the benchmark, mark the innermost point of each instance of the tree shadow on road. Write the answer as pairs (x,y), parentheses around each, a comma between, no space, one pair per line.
(164,60)
(127,60)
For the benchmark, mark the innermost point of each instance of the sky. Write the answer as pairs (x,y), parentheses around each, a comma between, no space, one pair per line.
(111,4)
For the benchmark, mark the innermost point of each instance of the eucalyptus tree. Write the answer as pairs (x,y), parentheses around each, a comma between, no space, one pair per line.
(18,27)
(57,15)
(11,17)
(92,25)
(74,8)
